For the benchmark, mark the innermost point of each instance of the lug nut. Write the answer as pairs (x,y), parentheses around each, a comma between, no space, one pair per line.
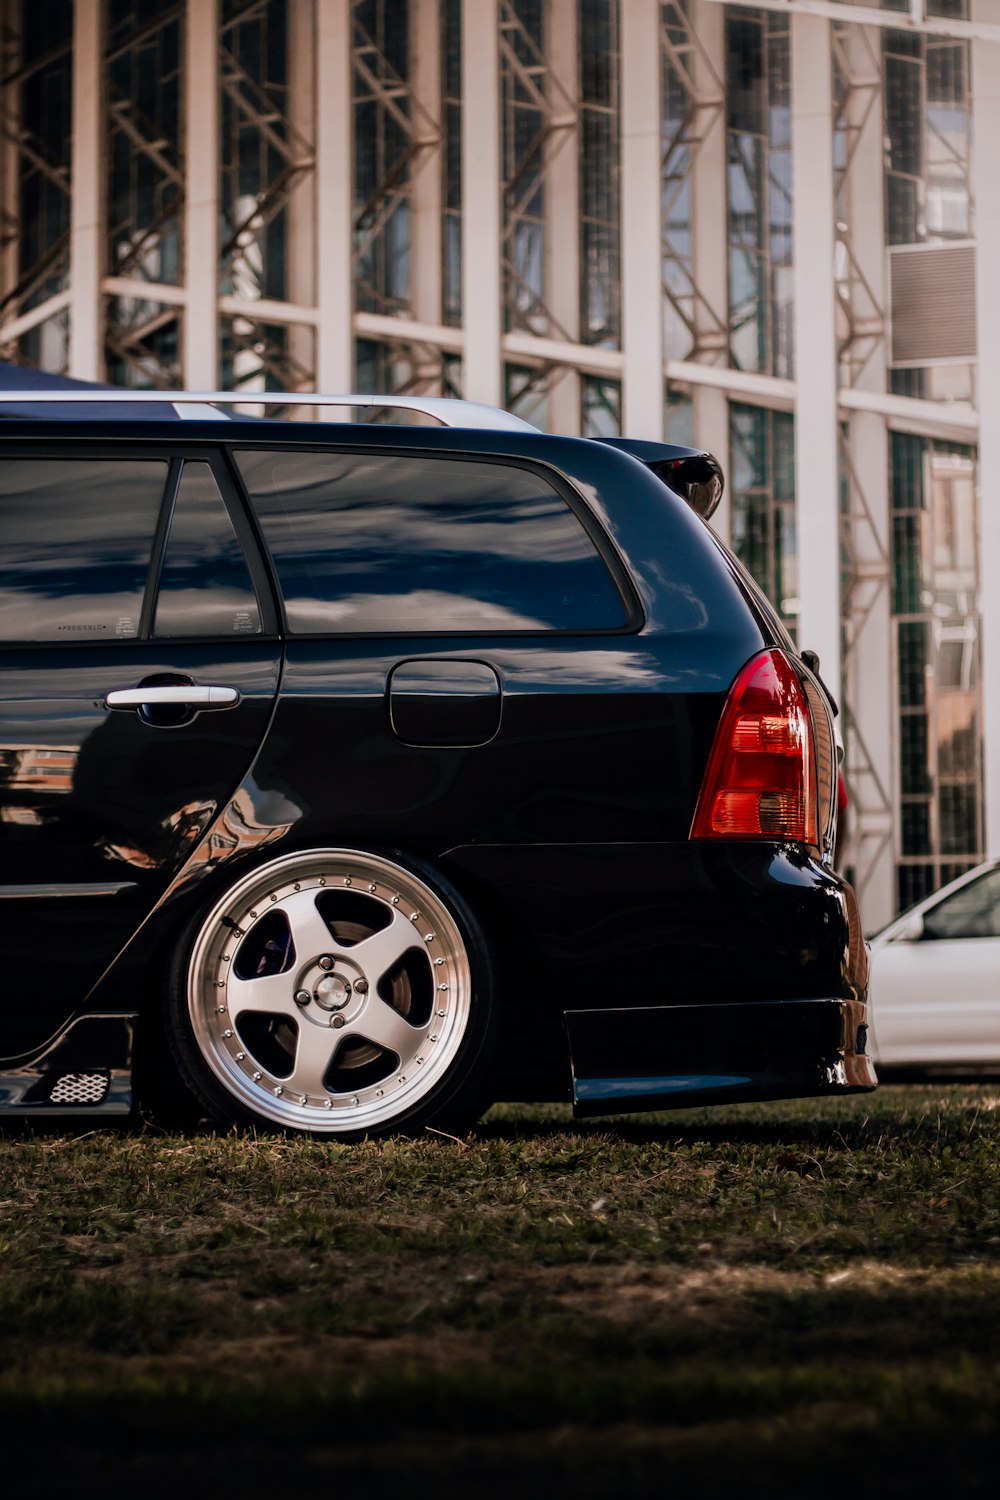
(336,1021)
(361,986)
(302,997)
(326,962)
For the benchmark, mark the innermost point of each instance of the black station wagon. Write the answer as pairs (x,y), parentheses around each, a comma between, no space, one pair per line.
(363,774)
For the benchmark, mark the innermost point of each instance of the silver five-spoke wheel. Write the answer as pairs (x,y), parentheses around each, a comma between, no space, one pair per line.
(332,992)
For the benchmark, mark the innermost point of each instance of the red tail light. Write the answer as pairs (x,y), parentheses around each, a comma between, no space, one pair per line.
(760,782)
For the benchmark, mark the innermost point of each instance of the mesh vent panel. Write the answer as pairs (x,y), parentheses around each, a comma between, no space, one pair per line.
(79,1088)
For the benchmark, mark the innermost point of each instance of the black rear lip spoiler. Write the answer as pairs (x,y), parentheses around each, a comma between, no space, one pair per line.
(692,473)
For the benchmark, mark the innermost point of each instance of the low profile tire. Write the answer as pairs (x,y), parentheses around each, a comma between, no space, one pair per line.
(337,993)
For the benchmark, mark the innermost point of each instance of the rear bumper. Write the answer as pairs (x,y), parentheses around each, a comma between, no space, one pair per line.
(620,926)
(673,1056)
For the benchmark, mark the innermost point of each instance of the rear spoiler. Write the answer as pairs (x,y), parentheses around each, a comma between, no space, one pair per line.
(690,472)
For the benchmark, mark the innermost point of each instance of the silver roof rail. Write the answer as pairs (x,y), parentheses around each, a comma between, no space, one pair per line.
(201,404)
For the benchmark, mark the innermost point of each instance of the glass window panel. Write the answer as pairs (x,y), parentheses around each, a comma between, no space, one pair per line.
(957,818)
(907,579)
(601,401)
(366,542)
(758,92)
(678,419)
(526,394)
(914,882)
(958,738)
(916,819)
(598,59)
(37,177)
(451,161)
(522,76)
(745,73)
(913,751)
(907,471)
(973,911)
(600,312)
(948,10)
(383,152)
(77,536)
(144,163)
(205,585)
(764,538)
(912,638)
(927,116)
(935,599)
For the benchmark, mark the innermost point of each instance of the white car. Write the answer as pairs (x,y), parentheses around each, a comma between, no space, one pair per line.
(935,981)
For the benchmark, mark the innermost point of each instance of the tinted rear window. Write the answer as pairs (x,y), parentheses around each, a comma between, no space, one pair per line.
(388,543)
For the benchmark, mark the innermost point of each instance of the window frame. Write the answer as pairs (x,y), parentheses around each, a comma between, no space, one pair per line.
(174,455)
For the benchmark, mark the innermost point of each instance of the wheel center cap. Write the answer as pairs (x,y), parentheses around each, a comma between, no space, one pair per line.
(332,992)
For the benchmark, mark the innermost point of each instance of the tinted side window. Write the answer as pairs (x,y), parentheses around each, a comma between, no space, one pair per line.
(972,912)
(205,586)
(374,542)
(75,541)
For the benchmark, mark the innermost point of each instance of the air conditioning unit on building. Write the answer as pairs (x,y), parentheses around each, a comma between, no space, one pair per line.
(932,290)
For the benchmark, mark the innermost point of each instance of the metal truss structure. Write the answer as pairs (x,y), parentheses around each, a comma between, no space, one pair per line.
(862,319)
(862,357)
(540,120)
(143,336)
(268,161)
(399,130)
(35,188)
(693,106)
(530,203)
(540,133)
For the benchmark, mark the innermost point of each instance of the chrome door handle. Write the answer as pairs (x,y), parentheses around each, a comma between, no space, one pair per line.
(185,694)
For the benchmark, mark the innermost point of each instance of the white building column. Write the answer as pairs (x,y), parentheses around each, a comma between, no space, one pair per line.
(986,188)
(817,500)
(300,244)
(868,672)
(426,181)
(334,198)
(562,186)
(86,210)
(711,239)
(201,218)
(641,195)
(482,285)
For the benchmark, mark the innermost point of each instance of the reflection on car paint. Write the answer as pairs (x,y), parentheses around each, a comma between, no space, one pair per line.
(46,768)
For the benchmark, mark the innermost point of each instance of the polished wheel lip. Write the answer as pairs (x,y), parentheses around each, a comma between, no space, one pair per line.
(214,992)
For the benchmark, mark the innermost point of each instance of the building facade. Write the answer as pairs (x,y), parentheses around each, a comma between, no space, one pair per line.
(762,228)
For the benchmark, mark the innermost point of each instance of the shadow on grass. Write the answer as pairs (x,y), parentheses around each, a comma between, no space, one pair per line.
(851,1121)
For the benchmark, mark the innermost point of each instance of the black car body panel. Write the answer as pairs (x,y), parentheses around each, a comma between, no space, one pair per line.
(550,774)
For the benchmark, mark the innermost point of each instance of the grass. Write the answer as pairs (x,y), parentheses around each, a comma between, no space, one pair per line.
(794,1298)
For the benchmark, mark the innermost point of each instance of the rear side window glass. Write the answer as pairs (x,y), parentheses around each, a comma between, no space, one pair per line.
(75,543)
(205,586)
(374,542)
(971,912)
